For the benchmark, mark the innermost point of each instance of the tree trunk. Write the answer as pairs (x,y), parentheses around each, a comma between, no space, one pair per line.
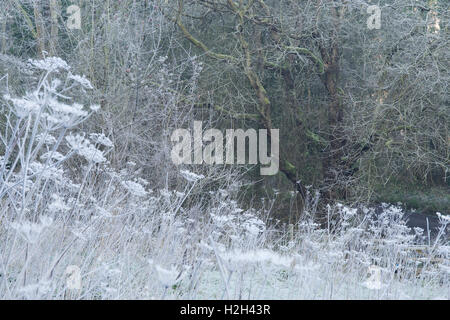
(54,12)
(39,29)
(330,57)
(3,33)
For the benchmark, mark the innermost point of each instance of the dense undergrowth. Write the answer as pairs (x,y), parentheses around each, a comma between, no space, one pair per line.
(100,233)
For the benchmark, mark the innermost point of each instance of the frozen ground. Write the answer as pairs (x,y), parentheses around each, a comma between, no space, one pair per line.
(226,254)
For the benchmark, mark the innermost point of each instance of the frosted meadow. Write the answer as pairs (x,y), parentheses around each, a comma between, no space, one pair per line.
(224,150)
(132,242)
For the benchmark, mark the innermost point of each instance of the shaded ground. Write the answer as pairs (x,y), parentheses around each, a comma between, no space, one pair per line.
(425,199)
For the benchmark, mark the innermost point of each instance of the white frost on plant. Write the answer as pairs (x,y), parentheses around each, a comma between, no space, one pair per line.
(82,80)
(166,194)
(162,59)
(85,149)
(75,109)
(222,220)
(31,231)
(143,181)
(47,139)
(58,204)
(167,277)
(46,221)
(52,173)
(254,226)
(92,154)
(95,107)
(443,218)
(374,280)
(134,188)
(190,176)
(256,256)
(34,291)
(100,138)
(49,64)
(53,155)
(76,142)
(24,106)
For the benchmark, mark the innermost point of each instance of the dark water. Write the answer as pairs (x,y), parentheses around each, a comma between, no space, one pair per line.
(427,222)
(424,221)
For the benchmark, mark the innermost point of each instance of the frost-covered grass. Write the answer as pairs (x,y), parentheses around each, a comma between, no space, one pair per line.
(148,251)
(128,240)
